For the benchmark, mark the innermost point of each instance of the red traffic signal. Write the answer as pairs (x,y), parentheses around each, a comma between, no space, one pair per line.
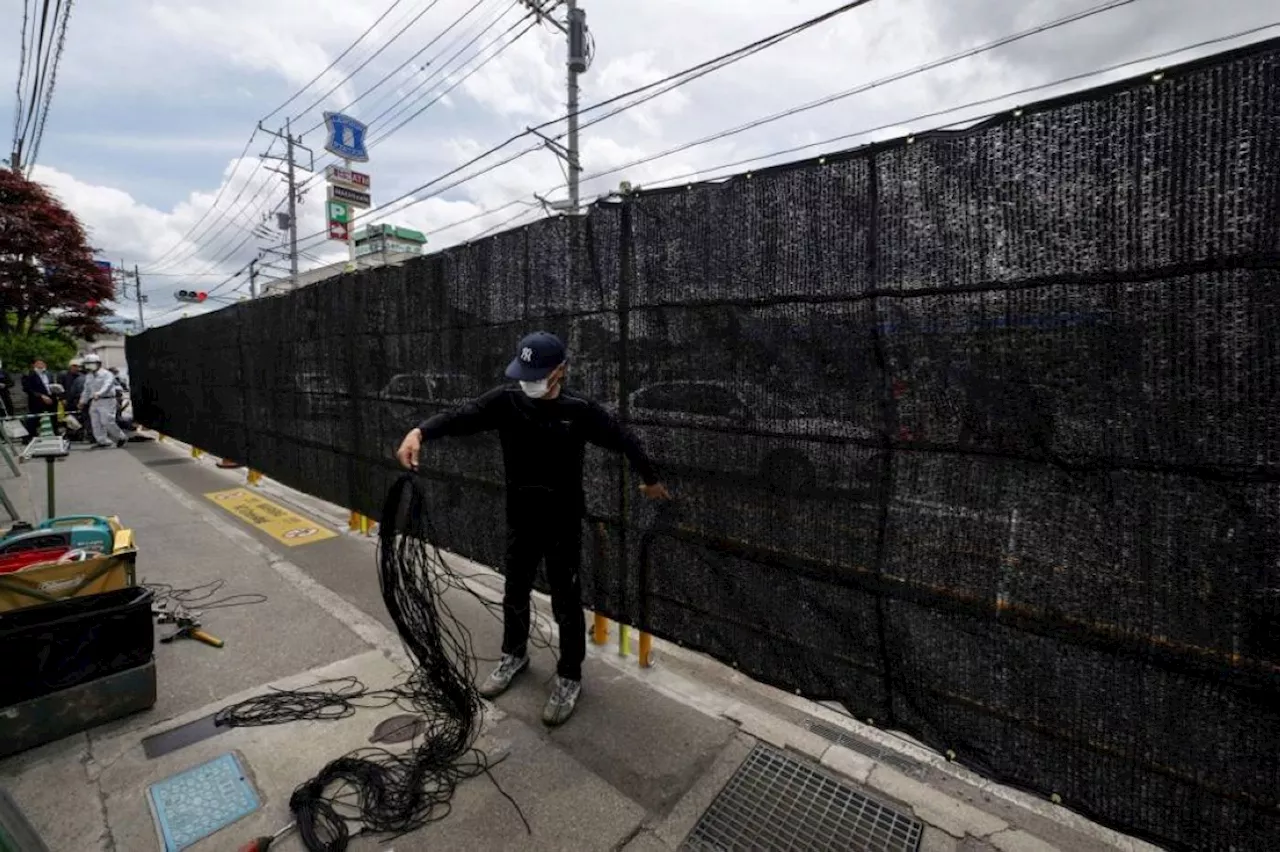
(191,296)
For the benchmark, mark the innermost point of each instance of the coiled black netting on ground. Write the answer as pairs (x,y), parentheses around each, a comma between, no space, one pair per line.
(977,432)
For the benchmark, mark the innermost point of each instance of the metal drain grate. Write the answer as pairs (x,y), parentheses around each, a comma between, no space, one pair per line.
(834,734)
(775,803)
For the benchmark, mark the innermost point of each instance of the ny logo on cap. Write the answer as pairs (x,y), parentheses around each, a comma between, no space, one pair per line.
(526,355)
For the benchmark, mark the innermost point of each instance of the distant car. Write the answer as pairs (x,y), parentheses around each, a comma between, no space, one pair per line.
(319,396)
(411,397)
(780,444)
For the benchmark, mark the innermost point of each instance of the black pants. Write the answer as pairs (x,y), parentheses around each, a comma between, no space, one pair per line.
(557,538)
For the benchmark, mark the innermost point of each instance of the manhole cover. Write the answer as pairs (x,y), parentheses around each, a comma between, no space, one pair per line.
(398,729)
(774,803)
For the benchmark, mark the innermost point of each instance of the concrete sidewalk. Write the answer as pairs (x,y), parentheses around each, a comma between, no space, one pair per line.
(645,755)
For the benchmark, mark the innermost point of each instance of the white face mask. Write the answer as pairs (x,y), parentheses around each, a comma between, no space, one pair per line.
(535,390)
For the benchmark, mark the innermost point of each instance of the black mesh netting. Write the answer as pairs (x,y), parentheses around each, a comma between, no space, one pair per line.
(976,432)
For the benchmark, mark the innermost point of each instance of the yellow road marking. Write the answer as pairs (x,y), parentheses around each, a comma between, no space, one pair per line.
(284,525)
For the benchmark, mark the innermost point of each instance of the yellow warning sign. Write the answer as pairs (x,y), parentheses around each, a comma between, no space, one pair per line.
(284,525)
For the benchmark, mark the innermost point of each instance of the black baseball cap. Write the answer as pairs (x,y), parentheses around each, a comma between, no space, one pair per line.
(537,355)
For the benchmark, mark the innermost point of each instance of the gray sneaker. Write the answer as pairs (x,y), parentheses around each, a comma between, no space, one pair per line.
(500,678)
(564,698)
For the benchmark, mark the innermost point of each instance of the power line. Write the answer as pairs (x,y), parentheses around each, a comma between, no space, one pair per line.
(249,143)
(685,76)
(458,82)
(210,291)
(247,208)
(865,87)
(223,215)
(402,65)
(22,68)
(335,61)
(320,100)
(34,101)
(1018,93)
(315,177)
(1040,87)
(409,99)
(48,94)
(927,116)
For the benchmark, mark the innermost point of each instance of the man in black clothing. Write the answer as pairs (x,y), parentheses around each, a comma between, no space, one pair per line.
(37,385)
(544,430)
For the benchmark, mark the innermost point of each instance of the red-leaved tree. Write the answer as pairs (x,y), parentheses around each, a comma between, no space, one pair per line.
(47,270)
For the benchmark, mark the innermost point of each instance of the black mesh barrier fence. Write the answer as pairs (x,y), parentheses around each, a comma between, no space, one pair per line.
(976,432)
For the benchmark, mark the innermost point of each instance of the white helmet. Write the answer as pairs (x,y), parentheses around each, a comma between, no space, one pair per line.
(76,362)
(92,362)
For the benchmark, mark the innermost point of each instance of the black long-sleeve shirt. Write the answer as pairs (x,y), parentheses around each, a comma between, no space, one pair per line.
(543,440)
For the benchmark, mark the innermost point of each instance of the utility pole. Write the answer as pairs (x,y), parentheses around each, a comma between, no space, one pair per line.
(289,221)
(577,61)
(253,278)
(122,275)
(137,293)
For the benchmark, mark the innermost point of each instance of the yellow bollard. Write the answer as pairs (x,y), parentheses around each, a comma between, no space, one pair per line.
(254,477)
(599,629)
(196,452)
(360,522)
(646,650)
(624,640)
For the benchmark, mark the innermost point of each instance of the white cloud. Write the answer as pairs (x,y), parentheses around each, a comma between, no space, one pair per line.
(239,55)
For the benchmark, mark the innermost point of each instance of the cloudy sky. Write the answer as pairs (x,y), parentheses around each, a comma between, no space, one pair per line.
(157,99)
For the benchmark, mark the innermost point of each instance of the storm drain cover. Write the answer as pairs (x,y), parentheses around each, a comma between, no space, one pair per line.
(831,733)
(774,803)
(191,805)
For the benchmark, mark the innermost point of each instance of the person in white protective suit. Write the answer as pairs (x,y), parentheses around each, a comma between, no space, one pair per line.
(99,395)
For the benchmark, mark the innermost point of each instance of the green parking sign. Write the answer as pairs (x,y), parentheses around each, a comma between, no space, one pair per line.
(339,211)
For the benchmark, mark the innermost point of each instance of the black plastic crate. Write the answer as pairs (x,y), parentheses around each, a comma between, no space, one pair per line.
(59,645)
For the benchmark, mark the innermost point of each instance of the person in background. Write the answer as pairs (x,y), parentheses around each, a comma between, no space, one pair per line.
(6,391)
(99,395)
(122,390)
(67,378)
(36,385)
(544,430)
(74,394)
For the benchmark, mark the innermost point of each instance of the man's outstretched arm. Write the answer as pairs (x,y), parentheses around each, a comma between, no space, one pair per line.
(470,418)
(605,431)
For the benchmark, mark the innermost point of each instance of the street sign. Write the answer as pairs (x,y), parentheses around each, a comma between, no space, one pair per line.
(338,231)
(346,137)
(346,177)
(339,211)
(351,196)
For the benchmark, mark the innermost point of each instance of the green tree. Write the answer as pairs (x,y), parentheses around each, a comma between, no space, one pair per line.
(17,351)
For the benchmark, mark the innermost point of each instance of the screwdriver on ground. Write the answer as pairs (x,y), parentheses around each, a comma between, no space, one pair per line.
(262,844)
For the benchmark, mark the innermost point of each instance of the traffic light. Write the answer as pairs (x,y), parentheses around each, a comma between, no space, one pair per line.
(191,296)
